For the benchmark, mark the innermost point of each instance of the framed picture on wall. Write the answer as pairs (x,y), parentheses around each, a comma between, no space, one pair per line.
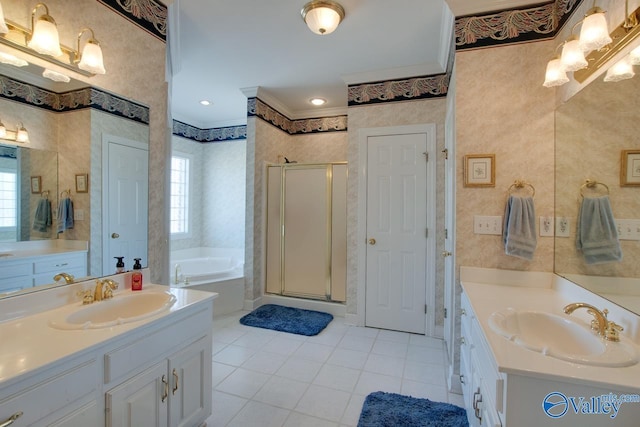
(480,170)
(82,183)
(630,168)
(36,184)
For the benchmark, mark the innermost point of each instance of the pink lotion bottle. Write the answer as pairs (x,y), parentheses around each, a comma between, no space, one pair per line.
(136,276)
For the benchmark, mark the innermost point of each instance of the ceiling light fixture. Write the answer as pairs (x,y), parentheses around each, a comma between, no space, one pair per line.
(19,135)
(594,33)
(322,17)
(318,101)
(621,70)
(205,102)
(91,57)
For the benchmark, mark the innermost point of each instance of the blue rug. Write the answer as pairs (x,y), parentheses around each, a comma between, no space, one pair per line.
(287,319)
(393,410)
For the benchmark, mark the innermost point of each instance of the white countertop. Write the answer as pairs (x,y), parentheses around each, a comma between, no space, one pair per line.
(511,358)
(29,343)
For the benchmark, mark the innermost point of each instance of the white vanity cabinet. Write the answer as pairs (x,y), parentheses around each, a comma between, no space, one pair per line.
(25,272)
(482,384)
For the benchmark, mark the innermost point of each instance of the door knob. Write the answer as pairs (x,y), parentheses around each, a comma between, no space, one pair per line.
(446,253)
(114,235)
(372,241)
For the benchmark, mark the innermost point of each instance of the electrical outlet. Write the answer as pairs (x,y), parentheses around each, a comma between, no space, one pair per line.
(546,226)
(487,224)
(563,225)
(78,214)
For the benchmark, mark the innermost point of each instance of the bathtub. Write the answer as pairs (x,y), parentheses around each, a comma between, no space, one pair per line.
(213,270)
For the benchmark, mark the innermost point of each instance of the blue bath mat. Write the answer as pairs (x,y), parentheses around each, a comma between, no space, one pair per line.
(287,319)
(391,410)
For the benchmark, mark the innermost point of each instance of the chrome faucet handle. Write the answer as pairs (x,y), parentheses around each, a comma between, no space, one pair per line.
(612,333)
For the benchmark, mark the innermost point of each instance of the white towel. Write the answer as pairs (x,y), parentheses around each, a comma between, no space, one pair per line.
(597,234)
(519,230)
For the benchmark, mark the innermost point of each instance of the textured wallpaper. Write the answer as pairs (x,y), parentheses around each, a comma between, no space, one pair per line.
(503,109)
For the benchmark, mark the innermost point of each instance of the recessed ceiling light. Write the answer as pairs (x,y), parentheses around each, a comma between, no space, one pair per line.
(318,101)
(205,102)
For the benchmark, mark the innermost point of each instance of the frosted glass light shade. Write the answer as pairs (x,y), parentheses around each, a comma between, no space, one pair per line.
(22,135)
(555,75)
(634,56)
(45,38)
(594,33)
(3,24)
(322,17)
(91,59)
(622,70)
(572,57)
(3,131)
(55,76)
(6,58)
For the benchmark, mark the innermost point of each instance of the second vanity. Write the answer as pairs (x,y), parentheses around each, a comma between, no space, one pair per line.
(152,369)
(507,384)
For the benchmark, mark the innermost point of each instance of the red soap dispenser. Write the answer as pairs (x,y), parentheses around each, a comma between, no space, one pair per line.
(136,276)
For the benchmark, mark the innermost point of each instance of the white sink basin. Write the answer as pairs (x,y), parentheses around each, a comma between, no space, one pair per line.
(560,337)
(122,308)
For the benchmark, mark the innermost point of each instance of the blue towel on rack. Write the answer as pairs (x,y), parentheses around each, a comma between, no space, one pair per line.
(65,215)
(597,234)
(42,218)
(519,230)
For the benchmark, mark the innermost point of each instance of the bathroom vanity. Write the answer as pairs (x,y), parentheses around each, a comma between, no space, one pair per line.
(146,368)
(509,381)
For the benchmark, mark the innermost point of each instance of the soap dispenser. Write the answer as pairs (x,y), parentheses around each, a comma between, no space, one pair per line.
(119,264)
(136,276)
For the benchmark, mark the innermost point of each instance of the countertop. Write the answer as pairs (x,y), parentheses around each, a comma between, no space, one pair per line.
(514,359)
(29,343)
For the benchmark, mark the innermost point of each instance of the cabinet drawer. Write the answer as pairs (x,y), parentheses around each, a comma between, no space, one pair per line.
(50,395)
(59,263)
(16,269)
(144,351)
(15,284)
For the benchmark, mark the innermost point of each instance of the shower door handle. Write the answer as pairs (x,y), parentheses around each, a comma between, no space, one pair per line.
(372,241)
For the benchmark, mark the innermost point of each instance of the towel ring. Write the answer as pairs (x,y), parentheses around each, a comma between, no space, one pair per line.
(518,184)
(591,184)
(45,194)
(65,191)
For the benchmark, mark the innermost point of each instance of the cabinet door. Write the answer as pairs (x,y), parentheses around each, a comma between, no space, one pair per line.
(141,401)
(190,373)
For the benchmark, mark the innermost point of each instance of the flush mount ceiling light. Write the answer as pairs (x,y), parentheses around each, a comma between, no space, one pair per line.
(205,102)
(44,35)
(322,17)
(318,101)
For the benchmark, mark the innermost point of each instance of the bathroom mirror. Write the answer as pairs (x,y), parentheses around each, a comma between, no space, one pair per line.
(62,146)
(594,131)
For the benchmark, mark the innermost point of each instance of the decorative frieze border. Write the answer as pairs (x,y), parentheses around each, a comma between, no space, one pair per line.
(150,15)
(258,108)
(89,97)
(229,133)
(513,26)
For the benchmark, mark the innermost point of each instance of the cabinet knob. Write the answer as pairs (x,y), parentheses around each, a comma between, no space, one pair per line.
(463,341)
(114,235)
(11,419)
(372,241)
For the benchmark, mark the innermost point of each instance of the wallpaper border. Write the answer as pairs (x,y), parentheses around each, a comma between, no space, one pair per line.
(150,15)
(212,135)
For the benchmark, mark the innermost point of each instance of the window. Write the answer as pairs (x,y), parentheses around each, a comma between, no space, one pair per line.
(179,195)
(8,199)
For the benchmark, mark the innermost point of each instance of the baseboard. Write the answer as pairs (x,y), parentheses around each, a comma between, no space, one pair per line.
(453,381)
(250,305)
(334,308)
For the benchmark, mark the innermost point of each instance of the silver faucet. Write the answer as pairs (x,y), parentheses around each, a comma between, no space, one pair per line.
(604,327)
(176,279)
(67,277)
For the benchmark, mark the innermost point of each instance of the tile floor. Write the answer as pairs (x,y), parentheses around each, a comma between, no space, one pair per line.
(272,379)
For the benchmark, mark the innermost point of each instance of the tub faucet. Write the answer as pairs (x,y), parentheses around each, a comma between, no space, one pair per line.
(605,328)
(67,277)
(177,274)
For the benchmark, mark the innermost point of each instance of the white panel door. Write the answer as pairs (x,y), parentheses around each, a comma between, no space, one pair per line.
(396,232)
(127,187)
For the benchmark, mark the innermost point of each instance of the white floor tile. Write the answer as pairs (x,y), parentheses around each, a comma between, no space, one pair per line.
(370,382)
(228,335)
(327,338)
(313,351)
(224,408)
(390,348)
(425,341)
(394,336)
(256,414)
(425,372)
(281,392)
(456,399)
(283,345)
(337,377)
(254,339)
(360,331)
(352,413)
(424,391)
(234,355)
(220,372)
(348,358)
(425,355)
(323,402)
(265,362)
(386,365)
(355,342)
(300,369)
(297,419)
(243,383)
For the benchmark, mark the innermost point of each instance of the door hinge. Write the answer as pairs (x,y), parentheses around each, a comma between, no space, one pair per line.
(445,312)
(425,309)
(426,156)
(446,233)
(446,153)
(426,232)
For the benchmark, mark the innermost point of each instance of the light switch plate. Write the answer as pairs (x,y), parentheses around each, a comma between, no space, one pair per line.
(487,224)
(78,215)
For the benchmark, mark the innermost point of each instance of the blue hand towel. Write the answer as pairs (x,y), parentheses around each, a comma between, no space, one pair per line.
(519,230)
(42,218)
(597,234)
(65,215)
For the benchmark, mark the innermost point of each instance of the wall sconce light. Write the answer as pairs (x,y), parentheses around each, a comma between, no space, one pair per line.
(19,135)
(584,56)
(91,57)
(42,40)
(44,33)
(322,17)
